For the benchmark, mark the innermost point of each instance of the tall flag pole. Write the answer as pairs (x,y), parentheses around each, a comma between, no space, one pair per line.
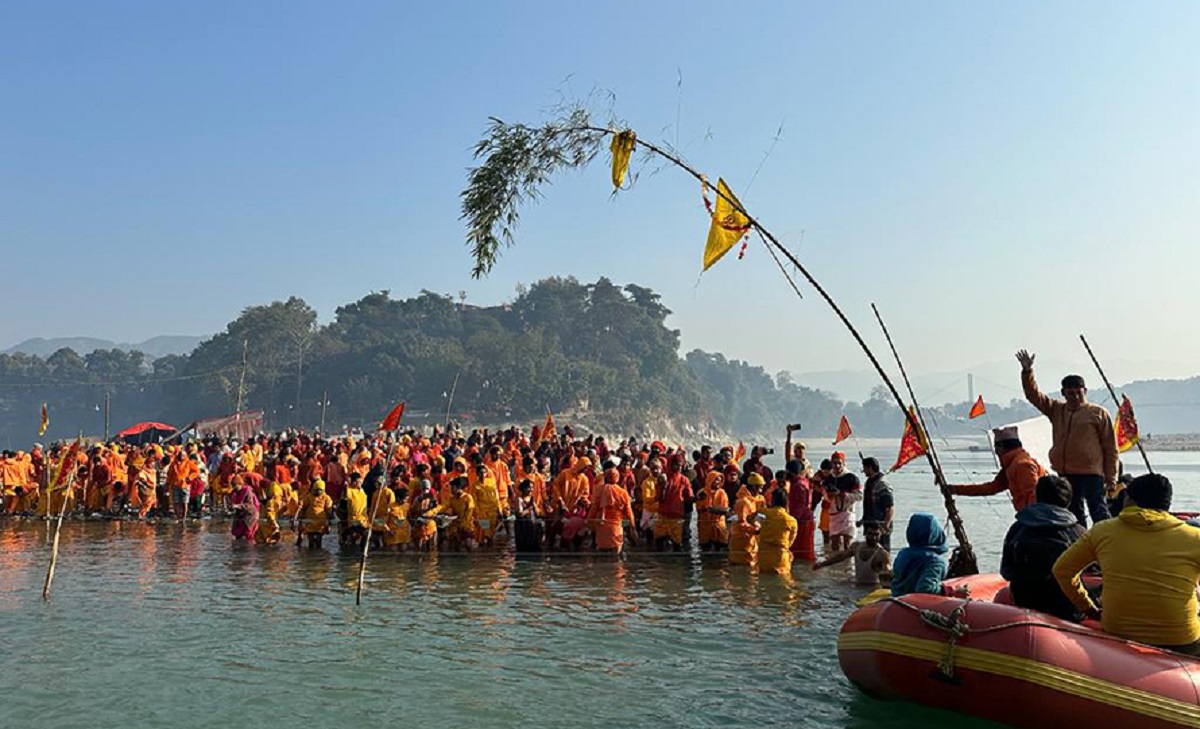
(1113,393)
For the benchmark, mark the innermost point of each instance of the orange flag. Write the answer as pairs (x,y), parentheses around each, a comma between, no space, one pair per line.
(45,420)
(392,421)
(914,444)
(844,431)
(740,453)
(1126,426)
(977,409)
(548,430)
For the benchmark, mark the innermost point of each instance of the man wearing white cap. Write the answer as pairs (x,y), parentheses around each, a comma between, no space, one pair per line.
(1019,472)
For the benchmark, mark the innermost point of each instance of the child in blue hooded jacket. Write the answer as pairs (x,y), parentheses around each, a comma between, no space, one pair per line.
(921,567)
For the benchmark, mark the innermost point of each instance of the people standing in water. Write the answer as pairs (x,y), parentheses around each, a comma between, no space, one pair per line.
(844,491)
(872,561)
(879,505)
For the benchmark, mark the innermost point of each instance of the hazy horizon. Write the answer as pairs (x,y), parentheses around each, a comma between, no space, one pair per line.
(995,177)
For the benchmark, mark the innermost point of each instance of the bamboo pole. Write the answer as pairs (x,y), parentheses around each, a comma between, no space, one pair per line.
(362,565)
(1113,393)
(58,529)
(450,402)
(966,557)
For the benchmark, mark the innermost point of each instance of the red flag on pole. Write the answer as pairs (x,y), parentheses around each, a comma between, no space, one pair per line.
(977,409)
(68,464)
(740,453)
(914,443)
(548,430)
(1126,426)
(843,431)
(392,421)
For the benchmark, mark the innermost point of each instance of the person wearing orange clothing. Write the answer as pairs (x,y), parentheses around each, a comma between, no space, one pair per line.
(11,483)
(537,483)
(1019,472)
(499,468)
(576,486)
(743,533)
(422,512)
(775,536)
(180,473)
(613,510)
(712,506)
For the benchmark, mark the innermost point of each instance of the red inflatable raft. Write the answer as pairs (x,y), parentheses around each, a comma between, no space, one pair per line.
(1011,665)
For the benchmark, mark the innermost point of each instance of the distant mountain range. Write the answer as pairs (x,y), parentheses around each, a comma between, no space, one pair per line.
(154,347)
(997,381)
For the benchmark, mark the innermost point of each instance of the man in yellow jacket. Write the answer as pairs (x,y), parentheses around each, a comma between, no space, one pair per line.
(1151,563)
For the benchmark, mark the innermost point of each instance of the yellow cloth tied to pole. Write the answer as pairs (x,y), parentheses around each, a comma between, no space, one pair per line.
(622,150)
(729,224)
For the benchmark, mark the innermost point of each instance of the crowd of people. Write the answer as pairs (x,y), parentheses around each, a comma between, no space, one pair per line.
(449,490)
(550,491)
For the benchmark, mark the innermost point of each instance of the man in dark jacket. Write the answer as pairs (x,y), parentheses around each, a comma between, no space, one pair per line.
(878,502)
(1043,531)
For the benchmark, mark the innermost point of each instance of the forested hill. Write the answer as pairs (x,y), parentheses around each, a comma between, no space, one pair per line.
(596,353)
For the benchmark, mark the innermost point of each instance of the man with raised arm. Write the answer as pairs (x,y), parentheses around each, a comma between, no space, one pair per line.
(1085,444)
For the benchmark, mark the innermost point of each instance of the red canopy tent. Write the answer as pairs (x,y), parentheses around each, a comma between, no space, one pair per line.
(147,432)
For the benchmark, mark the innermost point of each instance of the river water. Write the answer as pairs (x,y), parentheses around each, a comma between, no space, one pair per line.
(166,625)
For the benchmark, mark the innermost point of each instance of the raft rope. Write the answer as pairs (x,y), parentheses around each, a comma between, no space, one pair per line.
(953,625)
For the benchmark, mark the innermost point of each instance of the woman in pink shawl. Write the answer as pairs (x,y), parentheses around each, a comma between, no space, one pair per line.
(245,511)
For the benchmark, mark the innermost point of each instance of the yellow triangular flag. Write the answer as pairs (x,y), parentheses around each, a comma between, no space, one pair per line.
(728,226)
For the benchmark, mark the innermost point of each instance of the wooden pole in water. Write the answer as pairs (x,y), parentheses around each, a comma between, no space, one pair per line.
(967,564)
(1113,393)
(362,565)
(57,529)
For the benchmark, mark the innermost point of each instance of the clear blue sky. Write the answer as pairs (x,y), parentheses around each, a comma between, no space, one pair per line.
(993,175)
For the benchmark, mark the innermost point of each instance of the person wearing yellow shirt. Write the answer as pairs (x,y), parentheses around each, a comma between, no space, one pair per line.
(398,534)
(1151,563)
(353,529)
(422,512)
(743,531)
(314,514)
(381,505)
(268,518)
(461,506)
(775,536)
(648,496)
(488,508)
